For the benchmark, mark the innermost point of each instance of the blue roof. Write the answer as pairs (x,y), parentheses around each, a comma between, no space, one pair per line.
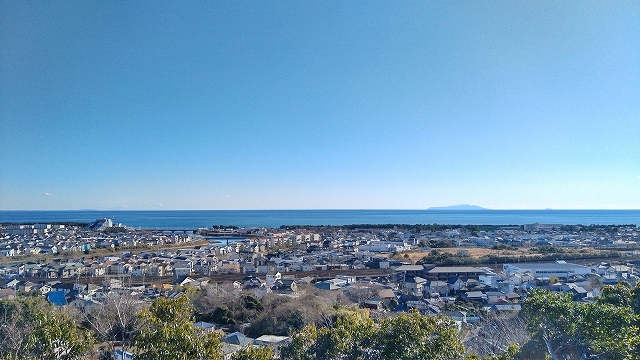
(238,339)
(57,298)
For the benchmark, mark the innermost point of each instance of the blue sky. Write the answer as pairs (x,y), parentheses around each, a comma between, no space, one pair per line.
(319,104)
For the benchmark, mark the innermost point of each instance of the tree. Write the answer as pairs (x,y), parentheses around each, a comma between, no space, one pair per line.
(635,299)
(252,303)
(551,317)
(351,337)
(496,334)
(608,331)
(16,325)
(360,293)
(116,319)
(56,336)
(169,333)
(510,353)
(254,353)
(357,337)
(618,295)
(285,316)
(431,337)
(599,330)
(222,315)
(30,328)
(302,346)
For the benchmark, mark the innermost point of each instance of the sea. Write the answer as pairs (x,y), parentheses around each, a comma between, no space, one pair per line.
(193,219)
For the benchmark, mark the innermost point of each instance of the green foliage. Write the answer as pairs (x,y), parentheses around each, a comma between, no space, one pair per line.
(30,328)
(254,353)
(351,337)
(252,303)
(500,246)
(115,230)
(635,299)
(302,346)
(442,244)
(169,333)
(56,336)
(438,257)
(285,316)
(444,259)
(220,315)
(547,249)
(431,338)
(511,353)
(284,324)
(618,295)
(357,337)
(607,329)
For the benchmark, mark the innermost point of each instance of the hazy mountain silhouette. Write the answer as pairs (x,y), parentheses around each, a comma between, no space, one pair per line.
(458,207)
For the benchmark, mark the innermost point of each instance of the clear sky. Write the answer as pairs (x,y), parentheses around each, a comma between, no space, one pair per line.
(319,104)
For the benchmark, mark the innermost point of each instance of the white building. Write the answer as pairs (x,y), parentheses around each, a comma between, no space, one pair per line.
(383,246)
(272,277)
(559,269)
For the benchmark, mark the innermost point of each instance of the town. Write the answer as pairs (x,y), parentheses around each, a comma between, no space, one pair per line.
(462,272)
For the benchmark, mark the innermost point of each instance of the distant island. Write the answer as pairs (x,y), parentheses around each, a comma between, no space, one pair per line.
(458,207)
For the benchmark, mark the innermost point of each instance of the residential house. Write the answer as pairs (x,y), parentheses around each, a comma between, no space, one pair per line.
(332,284)
(273,341)
(26,286)
(386,295)
(96,269)
(495,297)
(474,296)
(71,270)
(373,304)
(271,277)
(124,355)
(415,285)
(228,267)
(12,284)
(8,252)
(48,249)
(160,268)
(85,305)
(205,326)
(285,286)
(455,284)
(237,338)
(436,287)
(456,315)
(578,292)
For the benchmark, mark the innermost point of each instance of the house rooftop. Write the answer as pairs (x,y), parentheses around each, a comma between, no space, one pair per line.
(454,269)
(409,268)
(272,339)
(237,338)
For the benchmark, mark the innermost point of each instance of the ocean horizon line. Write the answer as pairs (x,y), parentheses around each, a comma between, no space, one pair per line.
(437,208)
